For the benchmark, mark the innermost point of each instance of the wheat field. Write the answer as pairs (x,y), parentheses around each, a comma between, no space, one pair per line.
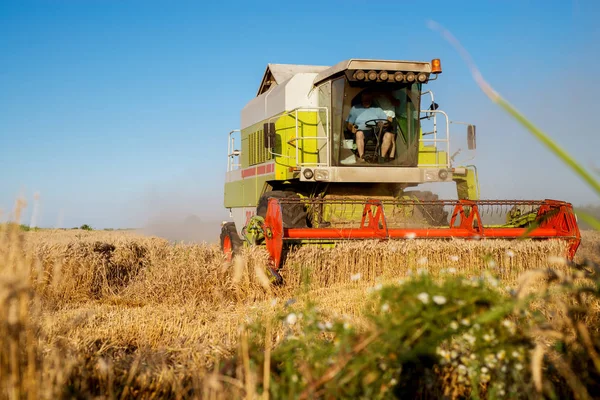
(116,314)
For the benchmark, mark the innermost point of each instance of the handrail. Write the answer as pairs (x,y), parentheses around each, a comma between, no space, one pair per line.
(231,152)
(297,138)
(435,140)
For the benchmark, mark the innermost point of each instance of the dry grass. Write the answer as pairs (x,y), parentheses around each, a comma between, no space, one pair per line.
(84,313)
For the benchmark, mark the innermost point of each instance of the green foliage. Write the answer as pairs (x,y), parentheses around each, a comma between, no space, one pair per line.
(86,227)
(418,334)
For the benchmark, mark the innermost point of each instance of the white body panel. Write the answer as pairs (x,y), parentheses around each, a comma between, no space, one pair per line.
(294,93)
(241,216)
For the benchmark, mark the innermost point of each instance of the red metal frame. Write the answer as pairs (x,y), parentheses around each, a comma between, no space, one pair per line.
(555,219)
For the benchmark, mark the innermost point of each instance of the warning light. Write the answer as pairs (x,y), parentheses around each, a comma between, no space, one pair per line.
(436,66)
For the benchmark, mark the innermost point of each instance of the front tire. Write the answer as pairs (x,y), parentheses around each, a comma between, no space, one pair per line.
(231,244)
(294,214)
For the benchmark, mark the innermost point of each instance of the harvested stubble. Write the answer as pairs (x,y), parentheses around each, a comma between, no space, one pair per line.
(137,312)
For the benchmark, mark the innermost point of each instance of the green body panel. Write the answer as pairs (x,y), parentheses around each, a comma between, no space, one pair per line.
(246,192)
(467,186)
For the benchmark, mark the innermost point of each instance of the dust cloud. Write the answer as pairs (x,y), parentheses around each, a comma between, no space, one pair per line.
(181,215)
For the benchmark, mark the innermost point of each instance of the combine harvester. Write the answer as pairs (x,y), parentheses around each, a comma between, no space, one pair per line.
(326,154)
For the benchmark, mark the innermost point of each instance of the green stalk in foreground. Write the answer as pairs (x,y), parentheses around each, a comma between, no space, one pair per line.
(496,98)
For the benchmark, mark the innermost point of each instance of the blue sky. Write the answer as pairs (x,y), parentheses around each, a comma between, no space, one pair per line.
(116,112)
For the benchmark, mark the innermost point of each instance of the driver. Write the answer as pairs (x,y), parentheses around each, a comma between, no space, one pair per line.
(357,118)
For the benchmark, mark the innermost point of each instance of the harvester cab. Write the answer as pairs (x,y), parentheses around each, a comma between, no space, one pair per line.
(327,154)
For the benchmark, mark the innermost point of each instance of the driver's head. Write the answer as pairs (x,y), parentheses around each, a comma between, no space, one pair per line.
(366,99)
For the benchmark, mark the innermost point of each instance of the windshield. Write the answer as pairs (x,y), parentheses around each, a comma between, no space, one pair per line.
(375,126)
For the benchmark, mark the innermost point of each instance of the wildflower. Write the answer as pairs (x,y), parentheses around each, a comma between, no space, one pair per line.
(424,297)
(274,302)
(393,382)
(378,286)
(462,370)
(401,281)
(465,321)
(422,261)
(501,355)
(328,325)
(469,338)
(321,326)
(510,253)
(510,326)
(439,300)
(519,366)
(454,258)
(291,319)
(385,307)
(451,270)
(355,277)
(410,235)
(422,272)
(347,325)
(484,370)
(487,338)
(484,378)
(383,366)
(294,378)
(492,264)
(454,325)
(453,354)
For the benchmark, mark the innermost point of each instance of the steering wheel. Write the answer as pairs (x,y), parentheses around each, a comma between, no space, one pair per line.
(372,123)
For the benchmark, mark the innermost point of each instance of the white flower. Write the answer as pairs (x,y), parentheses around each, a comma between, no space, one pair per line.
(510,253)
(355,277)
(328,325)
(385,307)
(410,235)
(492,264)
(378,286)
(422,272)
(462,370)
(347,325)
(501,355)
(393,382)
(401,281)
(422,261)
(519,366)
(465,321)
(424,297)
(484,370)
(274,302)
(321,326)
(291,319)
(439,300)
(451,270)
(294,378)
(454,258)
(470,338)
(454,325)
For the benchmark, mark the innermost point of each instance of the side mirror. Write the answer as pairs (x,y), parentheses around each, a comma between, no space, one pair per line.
(471,137)
(269,135)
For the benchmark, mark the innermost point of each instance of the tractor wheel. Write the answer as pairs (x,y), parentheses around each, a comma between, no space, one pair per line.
(434,214)
(294,215)
(231,244)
